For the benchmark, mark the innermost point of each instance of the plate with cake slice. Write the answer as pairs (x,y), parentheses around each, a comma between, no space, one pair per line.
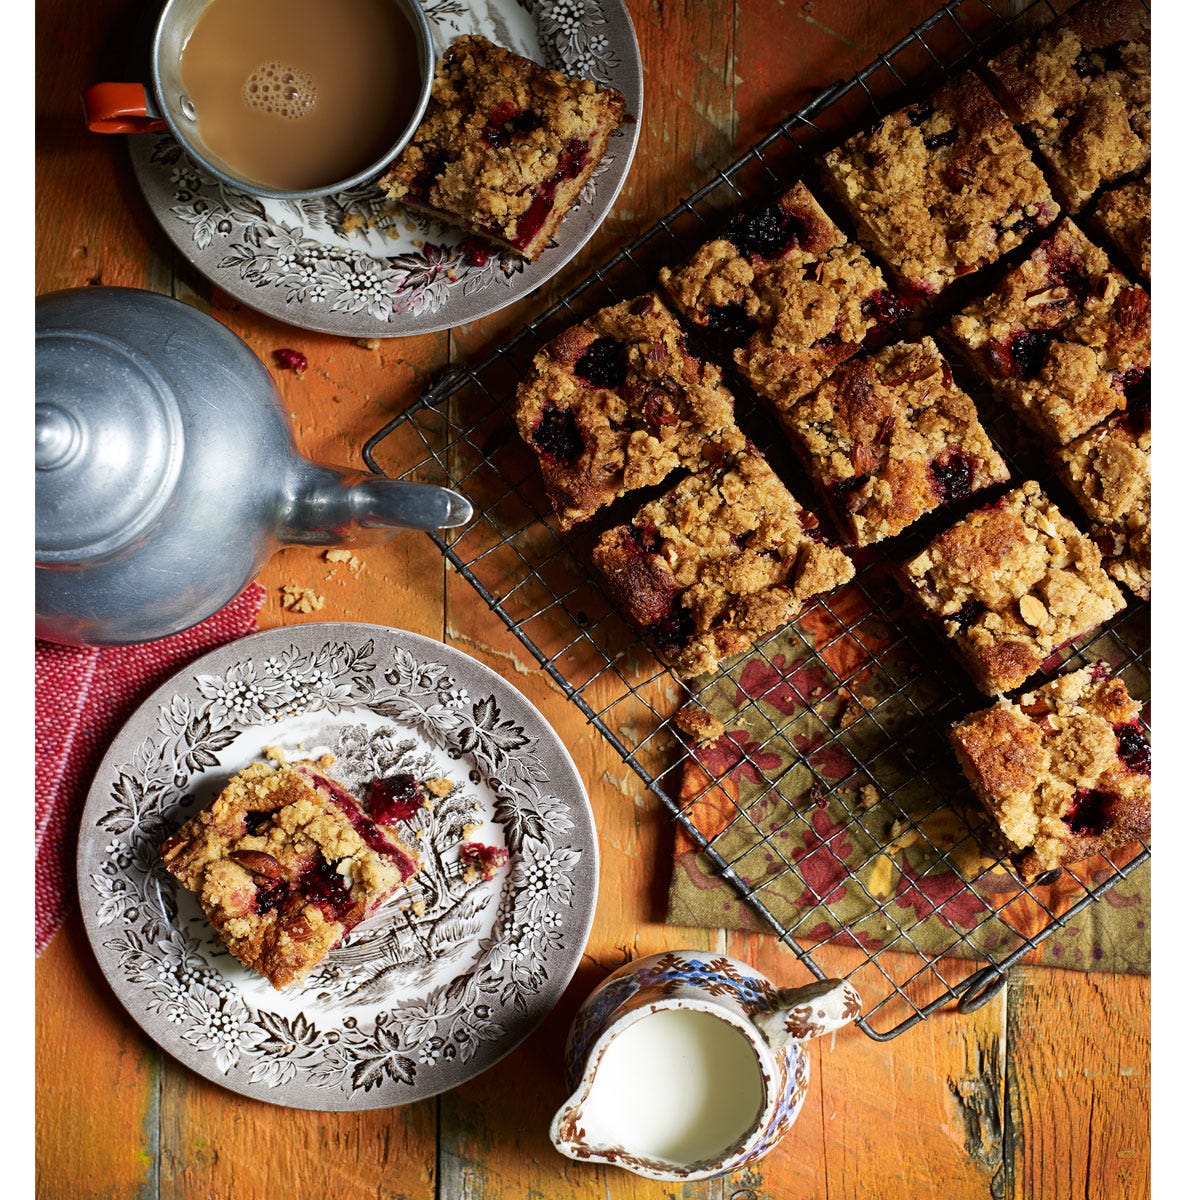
(525,145)
(337,867)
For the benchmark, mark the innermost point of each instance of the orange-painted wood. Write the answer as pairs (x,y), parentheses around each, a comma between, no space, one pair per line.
(1042,1093)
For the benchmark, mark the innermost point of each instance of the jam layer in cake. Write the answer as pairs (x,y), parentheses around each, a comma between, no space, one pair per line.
(1063,337)
(1063,773)
(505,146)
(616,403)
(285,864)
(786,293)
(1011,583)
(943,187)
(726,557)
(890,437)
(1081,90)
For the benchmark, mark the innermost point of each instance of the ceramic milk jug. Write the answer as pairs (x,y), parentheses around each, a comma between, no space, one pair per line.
(688,1065)
(167,473)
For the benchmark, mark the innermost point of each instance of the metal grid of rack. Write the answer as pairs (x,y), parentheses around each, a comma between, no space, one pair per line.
(873,724)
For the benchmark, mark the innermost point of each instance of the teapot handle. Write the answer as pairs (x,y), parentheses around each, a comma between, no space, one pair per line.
(327,506)
(808,1012)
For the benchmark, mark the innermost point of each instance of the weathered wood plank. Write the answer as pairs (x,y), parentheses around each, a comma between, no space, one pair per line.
(98,1078)
(1078,1085)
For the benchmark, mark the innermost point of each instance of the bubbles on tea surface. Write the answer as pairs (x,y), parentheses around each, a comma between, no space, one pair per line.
(284,90)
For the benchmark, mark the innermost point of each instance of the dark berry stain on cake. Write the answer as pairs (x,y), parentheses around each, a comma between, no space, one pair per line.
(557,435)
(671,634)
(966,616)
(729,320)
(507,121)
(886,307)
(1133,748)
(953,475)
(571,160)
(920,113)
(768,233)
(846,493)
(395,798)
(1088,815)
(939,141)
(605,363)
(1098,60)
(1022,354)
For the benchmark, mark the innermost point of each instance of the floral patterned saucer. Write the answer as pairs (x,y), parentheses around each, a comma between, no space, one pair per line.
(345,264)
(442,981)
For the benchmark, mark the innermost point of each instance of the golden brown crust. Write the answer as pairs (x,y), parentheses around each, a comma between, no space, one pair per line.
(890,437)
(1011,583)
(1081,88)
(505,145)
(942,187)
(283,870)
(787,291)
(1122,214)
(1062,337)
(1063,773)
(647,407)
(724,558)
(1108,473)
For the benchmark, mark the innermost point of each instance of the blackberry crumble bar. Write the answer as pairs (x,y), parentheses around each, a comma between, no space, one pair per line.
(1062,338)
(942,187)
(505,146)
(285,864)
(1063,773)
(1081,89)
(725,557)
(787,291)
(1009,584)
(617,403)
(1123,216)
(890,437)
(1108,472)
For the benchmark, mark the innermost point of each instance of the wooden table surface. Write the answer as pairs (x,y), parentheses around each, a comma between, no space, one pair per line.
(1043,1093)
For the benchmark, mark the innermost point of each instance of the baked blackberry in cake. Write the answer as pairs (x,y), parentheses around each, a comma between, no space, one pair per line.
(942,187)
(618,402)
(724,558)
(1108,472)
(890,437)
(786,293)
(1009,584)
(1080,88)
(285,864)
(1063,773)
(505,146)
(1122,214)
(1063,337)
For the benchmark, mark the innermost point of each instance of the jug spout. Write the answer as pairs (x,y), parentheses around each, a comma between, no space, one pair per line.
(327,506)
(808,1012)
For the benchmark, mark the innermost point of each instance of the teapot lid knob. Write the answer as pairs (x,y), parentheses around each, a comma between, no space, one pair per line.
(109,444)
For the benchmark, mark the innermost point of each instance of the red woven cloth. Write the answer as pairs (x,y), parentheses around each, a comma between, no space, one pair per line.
(84,696)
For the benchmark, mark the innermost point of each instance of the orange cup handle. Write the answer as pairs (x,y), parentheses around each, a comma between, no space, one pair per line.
(120,108)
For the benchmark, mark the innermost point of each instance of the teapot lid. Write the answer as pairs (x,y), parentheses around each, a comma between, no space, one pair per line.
(109,444)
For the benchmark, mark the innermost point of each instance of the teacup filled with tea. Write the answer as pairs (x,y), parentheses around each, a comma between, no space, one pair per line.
(288,98)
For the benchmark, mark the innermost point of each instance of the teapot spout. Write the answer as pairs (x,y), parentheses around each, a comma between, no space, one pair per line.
(327,506)
(808,1012)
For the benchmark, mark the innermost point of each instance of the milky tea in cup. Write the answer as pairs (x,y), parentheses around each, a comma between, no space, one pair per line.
(299,94)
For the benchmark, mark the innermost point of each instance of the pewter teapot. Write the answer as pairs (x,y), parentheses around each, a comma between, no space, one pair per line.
(167,473)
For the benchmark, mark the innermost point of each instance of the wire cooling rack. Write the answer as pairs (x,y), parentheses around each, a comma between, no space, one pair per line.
(872,728)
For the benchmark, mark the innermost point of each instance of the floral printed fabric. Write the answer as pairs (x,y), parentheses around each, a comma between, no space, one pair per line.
(834,796)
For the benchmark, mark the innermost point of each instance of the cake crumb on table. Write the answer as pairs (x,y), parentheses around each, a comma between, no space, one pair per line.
(697,723)
(295,598)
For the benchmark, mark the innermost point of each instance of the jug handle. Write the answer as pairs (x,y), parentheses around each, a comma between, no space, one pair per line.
(807,1012)
(327,505)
